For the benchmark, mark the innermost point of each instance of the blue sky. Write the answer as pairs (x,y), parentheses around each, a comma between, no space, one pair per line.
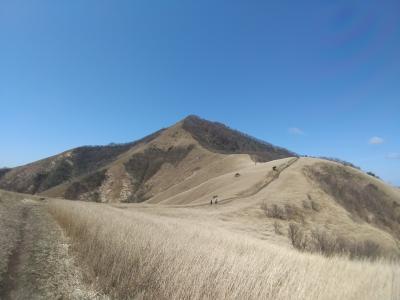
(317,77)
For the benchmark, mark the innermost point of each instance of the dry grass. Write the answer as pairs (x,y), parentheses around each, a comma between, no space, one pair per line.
(34,259)
(134,254)
(363,199)
(328,244)
(287,212)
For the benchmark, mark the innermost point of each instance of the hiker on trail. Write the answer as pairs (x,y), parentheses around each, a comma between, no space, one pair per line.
(211,202)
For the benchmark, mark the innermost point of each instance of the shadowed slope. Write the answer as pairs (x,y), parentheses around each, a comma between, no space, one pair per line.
(217,137)
(49,172)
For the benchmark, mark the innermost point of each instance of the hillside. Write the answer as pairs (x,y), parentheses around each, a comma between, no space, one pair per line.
(208,252)
(195,161)
(200,202)
(336,208)
(131,172)
(80,250)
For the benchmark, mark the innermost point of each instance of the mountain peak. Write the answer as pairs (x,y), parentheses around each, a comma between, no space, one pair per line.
(81,173)
(220,138)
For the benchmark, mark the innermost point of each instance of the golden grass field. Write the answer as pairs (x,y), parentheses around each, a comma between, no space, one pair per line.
(169,254)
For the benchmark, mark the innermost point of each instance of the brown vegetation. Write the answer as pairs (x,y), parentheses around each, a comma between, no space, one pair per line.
(219,138)
(322,242)
(142,166)
(35,261)
(319,240)
(87,186)
(286,212)
(141,159)
(339,161)
(71,165)
(134,254)
(362,199)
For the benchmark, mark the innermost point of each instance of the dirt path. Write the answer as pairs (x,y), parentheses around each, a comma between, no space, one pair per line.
(270,177)
(34,259)
(10,278)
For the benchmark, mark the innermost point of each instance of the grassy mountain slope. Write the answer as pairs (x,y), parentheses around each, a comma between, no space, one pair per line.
(330,204)
(270,202)
(130,251)
(47,173)
(165,252)
(137,171)
(195,161)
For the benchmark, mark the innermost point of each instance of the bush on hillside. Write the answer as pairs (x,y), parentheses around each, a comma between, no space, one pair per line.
(339,161)
(287,212)
(373,175)
(328,244)
(297,237)
(88,185)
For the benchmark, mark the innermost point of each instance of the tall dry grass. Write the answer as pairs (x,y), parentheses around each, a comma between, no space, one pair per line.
(137,255)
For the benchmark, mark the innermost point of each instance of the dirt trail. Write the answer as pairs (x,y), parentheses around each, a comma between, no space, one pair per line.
(35,263)
(256,188)
(10,278)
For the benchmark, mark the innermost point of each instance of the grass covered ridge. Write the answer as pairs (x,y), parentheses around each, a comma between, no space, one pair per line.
(134,254)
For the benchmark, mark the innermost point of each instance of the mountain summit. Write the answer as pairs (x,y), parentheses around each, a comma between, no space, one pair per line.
(217,137)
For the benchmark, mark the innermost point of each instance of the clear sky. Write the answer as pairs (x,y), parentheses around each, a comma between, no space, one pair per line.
(317,77)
